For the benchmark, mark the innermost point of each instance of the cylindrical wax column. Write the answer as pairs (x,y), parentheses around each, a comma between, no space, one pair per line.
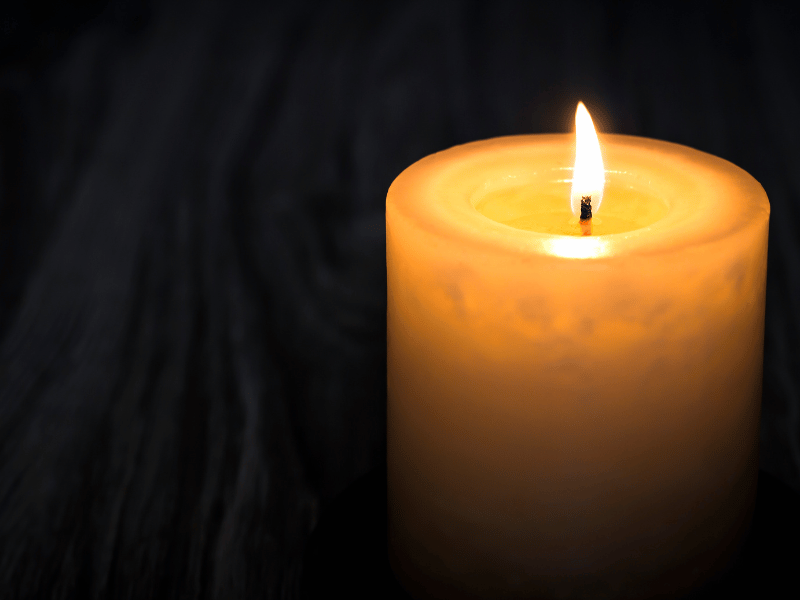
(571,416)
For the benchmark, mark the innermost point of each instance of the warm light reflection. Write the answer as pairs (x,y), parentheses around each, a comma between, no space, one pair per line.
(588,178)
(576,247)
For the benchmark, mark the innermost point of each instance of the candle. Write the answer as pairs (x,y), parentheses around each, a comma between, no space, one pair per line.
(572,415)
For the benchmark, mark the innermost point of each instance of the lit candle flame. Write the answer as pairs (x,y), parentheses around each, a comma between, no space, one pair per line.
(589,176)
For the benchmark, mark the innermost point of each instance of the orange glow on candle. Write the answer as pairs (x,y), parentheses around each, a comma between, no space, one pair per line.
(570,412)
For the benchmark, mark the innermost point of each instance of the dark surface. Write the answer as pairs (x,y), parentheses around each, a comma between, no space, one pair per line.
(346,554)
(192,275)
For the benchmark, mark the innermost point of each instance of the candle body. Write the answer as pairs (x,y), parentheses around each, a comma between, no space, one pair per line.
(572,417)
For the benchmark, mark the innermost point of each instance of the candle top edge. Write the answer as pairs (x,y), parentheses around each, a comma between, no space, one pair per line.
(711,198)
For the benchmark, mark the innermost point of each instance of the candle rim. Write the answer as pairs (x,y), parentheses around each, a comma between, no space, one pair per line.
(423,193)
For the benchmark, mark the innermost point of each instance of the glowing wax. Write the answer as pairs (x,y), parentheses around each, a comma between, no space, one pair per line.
(572,416)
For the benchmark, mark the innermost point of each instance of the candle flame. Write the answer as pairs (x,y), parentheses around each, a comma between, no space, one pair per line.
(588,177)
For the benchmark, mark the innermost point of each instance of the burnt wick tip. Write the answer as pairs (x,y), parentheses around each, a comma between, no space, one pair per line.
(586,208)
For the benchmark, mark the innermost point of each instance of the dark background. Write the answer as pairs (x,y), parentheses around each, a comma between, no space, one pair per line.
(192,276)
